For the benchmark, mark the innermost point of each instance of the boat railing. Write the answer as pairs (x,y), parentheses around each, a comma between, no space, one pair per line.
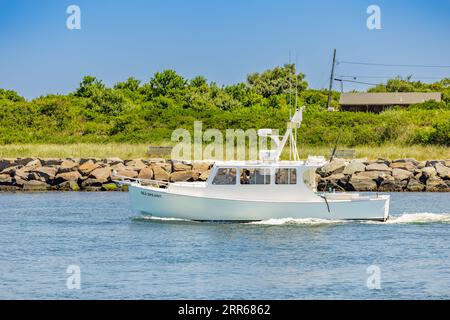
(123,180)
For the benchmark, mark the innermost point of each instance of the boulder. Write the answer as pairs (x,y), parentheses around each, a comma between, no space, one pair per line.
(67,176)
(160,174)
(406,160)
(432,163)
(204,176)
(414,185)
(110,187)
(167,166)
(5,179)
(338,178)
(92,182)
(353,167)
(333,167)
(73,185)
(400,174)
(179,166)
(154,160)
(135,164)
(33,185)
(5,163)
(51,162)
(374,175)
(22,161)
(379,161)
(67,186)
(118,166)
(360,182)
(10,170)
(46,173)
(442,171)
(88,166)
(9,188)
(378,167)
(33,164)
(403,165)
(67,166)
(421,164)
(101,174)
(178,176)
(113,161)
(436,184)
(127,172)
(428,172)
(146,173)
(201,166)
(390,184)
(24,174)
(195,175)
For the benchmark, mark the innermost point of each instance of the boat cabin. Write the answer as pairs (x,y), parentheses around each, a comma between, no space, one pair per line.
(260,174)
(283,179)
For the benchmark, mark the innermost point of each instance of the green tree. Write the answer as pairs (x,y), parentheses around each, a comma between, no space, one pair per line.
(88,86)
(165,83)
(10,95)
(131,84)
(280,80)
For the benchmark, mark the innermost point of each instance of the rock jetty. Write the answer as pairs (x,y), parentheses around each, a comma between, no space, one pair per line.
(35,174)
(385,175)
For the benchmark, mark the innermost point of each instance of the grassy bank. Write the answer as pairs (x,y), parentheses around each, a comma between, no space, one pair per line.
(129,151)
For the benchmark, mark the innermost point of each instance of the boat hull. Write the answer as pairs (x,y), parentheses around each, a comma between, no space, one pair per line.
(160,203)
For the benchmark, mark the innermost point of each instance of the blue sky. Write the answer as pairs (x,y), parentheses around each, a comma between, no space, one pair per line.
(222,40)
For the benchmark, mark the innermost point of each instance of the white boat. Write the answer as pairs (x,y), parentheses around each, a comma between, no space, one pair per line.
(255,191)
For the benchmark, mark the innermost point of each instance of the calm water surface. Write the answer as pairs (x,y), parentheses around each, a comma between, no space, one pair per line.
(125,256)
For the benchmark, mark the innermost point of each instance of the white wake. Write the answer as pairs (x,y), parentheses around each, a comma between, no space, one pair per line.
(405,218)
(161,219)
(304,221)
(425,217)
(411,218)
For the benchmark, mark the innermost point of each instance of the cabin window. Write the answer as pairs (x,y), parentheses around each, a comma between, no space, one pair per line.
(225,176)
(286,176)
(255,176)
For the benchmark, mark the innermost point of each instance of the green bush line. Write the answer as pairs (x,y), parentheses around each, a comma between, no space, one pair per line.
(132,112)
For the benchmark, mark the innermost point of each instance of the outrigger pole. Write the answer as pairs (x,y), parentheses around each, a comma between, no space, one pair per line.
(274,155)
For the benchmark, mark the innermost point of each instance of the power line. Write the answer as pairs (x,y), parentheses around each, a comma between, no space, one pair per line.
(393,65)
(385,77)
(325,72)
(372,84)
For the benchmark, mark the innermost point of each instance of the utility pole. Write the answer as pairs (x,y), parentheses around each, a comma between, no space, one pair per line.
(331,79)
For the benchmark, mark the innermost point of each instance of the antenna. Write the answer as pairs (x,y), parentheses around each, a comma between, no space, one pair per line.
(290,90)
(296,82)
(290,102)
(292,139)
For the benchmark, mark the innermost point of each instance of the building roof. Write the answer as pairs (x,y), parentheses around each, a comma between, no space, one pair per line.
(388,98)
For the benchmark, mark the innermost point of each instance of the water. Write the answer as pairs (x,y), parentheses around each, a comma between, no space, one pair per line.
(122,255)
